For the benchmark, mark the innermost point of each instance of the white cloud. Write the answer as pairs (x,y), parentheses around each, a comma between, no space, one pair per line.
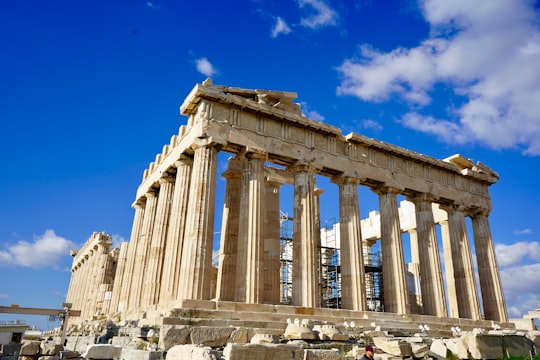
(205,67)
(4,296)
(487,51)
(117,240)
(311,114)
(523,232)
(45,251)
(513,254)
(281,27)
(370,124)
(321,14)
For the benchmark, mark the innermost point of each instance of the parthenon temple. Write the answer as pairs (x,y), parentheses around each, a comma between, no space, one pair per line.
(168,263)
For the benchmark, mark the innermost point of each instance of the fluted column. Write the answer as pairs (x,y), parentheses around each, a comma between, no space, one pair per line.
(395,284)
(141,253)
(226,278)
(353,294)
(431,281)
(250,260)
(464,282)
(127,278)
(305,280)
(272,242)
(175,235)
(119,277)
(488,269)
(158,242)
(453,309)
(195,268)
(318,245)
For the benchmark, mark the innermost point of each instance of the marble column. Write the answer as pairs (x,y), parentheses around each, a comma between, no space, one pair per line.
(353,294)
(226,278)
(250,260)
(119,277)
(126,284)
(141,253)
(305,280)
(196,264)
(175,235)
(488,270)
(431,281)
(318,245)
(453,309)
(272,242)
(464,281)
(393,265)
(156,252)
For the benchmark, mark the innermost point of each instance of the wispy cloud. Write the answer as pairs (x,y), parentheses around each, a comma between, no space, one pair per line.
(309,113)
(517,253)
(44,251)
(319,14)
(490,60)
(205,67)
(152,5)
(280,27)
(523,232)
(4,296)
(369,124)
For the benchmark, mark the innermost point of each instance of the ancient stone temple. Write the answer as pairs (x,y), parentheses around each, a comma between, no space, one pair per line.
(167,265)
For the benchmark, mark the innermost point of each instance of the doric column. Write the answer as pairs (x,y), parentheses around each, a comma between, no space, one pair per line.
(175,235)
(141,253)
(453,309)
(353,294)
(305,281)
(431,281)
(226,278)
(119,277)
(393,265)
(318,244)
(127,279)
(488,270)
(464,282)
(157,244)
(196,264)
(272,242)
(250,261)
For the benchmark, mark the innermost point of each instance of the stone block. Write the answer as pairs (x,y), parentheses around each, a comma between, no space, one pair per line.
(264,339)
(68,354)
(30,348)
(173,335)
(134,354)
(102,351)
(239,335)
(299,332)
(262,352)
(438,349)
(457,347)
(393,347)
(315,354)
(211,336)
(483,346)
(192,352)
(79,343)
(517,345)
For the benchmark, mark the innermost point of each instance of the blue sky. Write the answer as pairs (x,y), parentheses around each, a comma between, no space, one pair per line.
(90,92)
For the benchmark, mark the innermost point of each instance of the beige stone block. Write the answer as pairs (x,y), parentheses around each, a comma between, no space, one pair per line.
(198,304)
(192,352)
(239,335)
(210,336)
(30,348)
(315,354)
(170,336)
(457,347)
(102,351)
(135,354)
(438,349)
(299,332)
(263,352)
(392,346)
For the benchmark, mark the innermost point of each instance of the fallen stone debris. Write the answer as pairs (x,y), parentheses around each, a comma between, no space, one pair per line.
(302,340)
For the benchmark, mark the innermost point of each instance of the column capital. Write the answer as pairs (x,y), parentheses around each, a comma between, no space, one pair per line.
(345,180)
(255,154)
(476,211)
(302,167)
(183,160)
(384,189)
(166,178)
(452,207)
(414,198)
(206,142)
(318,191)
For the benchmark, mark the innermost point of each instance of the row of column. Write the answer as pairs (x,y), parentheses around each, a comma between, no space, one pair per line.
(170,251)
